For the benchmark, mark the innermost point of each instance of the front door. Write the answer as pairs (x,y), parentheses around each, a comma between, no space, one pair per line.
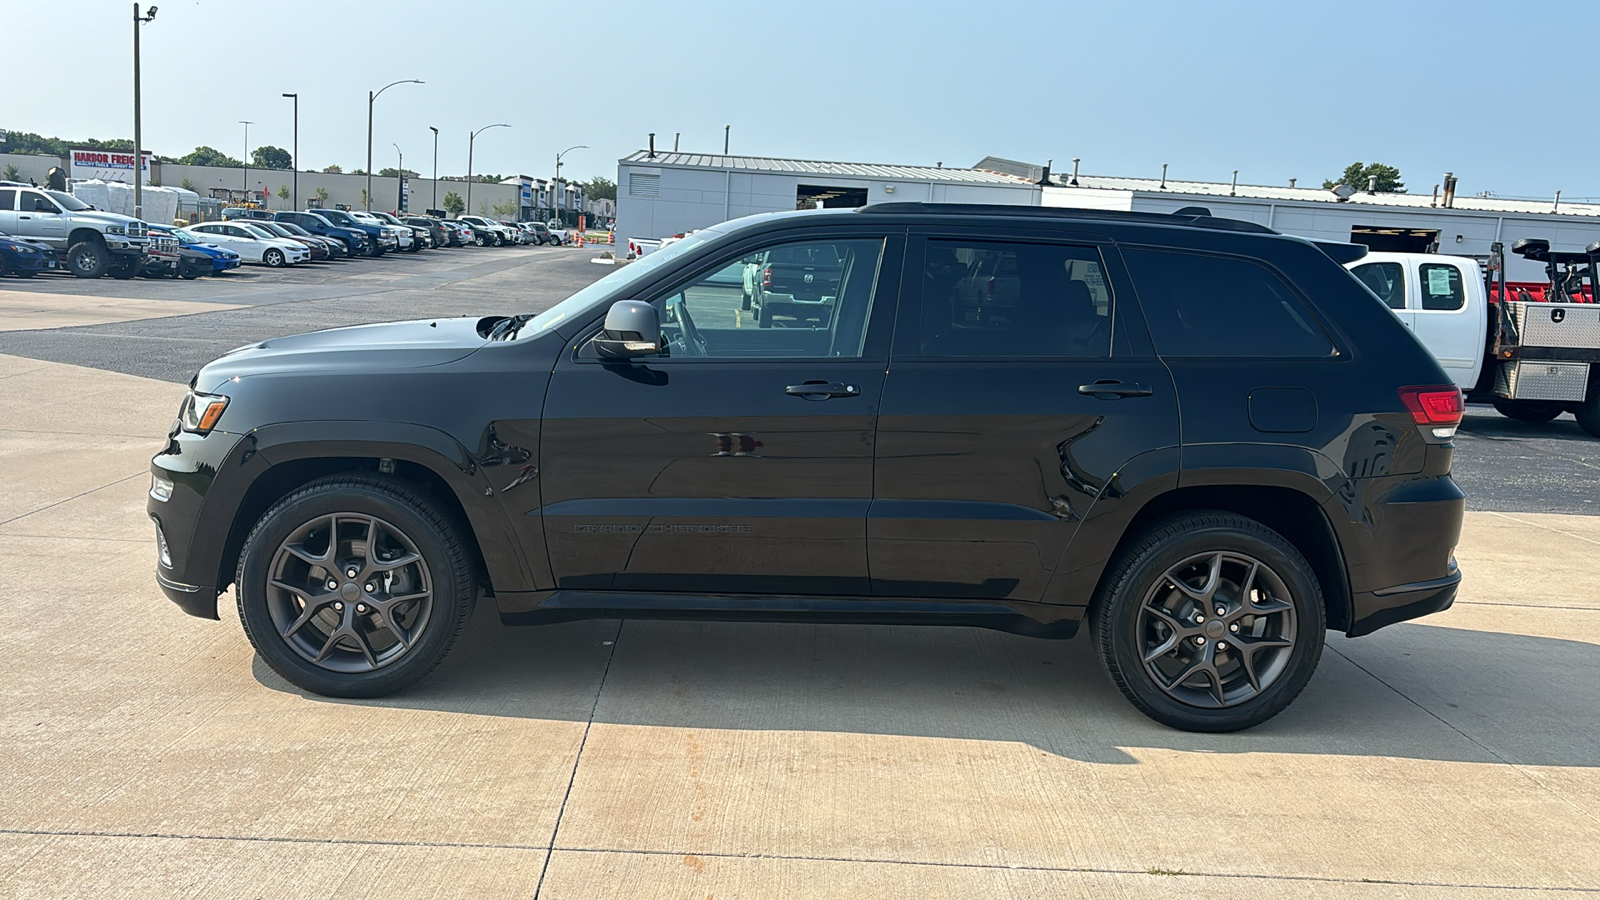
(40,218)
(1019,387)
(742,461)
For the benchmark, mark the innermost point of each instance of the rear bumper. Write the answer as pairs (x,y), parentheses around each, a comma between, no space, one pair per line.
(1378,609)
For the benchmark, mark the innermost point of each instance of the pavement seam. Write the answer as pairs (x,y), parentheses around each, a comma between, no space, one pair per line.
(1546,527)
(1525,605)
(1088,870)
(70,499)
(616,639)
(1514,766)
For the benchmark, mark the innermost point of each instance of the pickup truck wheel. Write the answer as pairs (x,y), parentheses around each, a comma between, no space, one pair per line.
(354,586)
(1528,410)
(1588,412)
(88,259)
(744,300)
(125,267)
(1209,622)
(764,316)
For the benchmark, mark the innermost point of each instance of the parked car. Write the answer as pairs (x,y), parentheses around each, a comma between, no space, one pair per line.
(246,212)
(561,235)
(24,258)
(357,241)
(380,238)
(337,248)
(402,236)
(540,232)
(518,236)
(221,258)
(463,233)
(801,282)
(253,243)
(437,233)
(487,231)
(312,243)
(1201,437)
(89,243)
(420,238)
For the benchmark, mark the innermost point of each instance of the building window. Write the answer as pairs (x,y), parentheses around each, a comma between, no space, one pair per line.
(643,185)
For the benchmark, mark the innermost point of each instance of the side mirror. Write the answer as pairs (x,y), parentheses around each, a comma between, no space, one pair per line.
(632,329)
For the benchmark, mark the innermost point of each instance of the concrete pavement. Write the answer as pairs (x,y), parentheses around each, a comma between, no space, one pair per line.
(144,753)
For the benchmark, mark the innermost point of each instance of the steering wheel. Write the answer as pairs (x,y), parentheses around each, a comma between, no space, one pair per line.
(693,344)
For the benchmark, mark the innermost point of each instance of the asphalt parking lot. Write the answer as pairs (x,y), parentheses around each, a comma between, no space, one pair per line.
(147,753)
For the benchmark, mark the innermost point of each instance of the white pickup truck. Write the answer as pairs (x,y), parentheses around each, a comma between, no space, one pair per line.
(1533,359)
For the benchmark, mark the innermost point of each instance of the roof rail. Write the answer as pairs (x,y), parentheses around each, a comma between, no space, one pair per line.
(1063,212)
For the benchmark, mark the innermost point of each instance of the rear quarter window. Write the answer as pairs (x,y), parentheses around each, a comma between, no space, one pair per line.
(1441,287)
(1219,306)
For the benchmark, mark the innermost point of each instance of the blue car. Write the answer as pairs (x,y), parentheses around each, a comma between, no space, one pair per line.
(221,259)
(23,258)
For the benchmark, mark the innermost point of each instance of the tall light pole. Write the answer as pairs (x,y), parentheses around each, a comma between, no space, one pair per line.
(246,157)
(138,138)
(294,163)
(725,130)
(399,178)
(435,204)
(370,98)
(470,138)
(555,201)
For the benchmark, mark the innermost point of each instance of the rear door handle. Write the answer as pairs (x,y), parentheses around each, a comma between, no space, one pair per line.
(822,390)
(1108,389)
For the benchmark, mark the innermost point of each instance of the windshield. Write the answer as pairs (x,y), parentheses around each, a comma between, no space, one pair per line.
(68,201)
(616,281)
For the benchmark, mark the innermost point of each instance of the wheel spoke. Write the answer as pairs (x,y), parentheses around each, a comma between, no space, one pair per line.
(1270,606)
(1179,627)
(1206,591)
(1166,646)
(1249,583)
(311,604)
(388,565)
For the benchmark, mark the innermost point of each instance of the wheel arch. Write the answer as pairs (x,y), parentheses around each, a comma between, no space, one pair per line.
(84,233)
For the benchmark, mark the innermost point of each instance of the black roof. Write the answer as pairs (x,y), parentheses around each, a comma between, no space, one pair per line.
(997,210)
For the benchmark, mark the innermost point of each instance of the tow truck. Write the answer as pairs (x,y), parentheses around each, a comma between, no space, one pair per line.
(1531,350)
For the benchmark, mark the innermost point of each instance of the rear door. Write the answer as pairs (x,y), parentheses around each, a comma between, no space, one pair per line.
(740,463)
(1390,279)
(1020,385)
(1449,315)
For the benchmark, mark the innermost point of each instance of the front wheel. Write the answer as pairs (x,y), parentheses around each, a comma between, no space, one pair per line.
(480,240)
(274,258)
(354,586)
(88,259)
(126,267)
(1209,622)
(1529,410)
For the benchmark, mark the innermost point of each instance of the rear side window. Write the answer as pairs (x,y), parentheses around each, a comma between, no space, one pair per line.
(8,199)
(1002,299)
(1441,287)
(1386,279)
(1215,306)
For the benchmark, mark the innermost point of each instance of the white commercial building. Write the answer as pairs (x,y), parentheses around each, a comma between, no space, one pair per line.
(661,194)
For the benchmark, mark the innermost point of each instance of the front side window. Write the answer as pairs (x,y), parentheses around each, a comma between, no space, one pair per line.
(1441,287)
(1014,299)
(1386,279)
(33,201)
(1219,306)
(798,300)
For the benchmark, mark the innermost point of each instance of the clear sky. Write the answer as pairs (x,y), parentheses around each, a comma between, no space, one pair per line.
(1274,89)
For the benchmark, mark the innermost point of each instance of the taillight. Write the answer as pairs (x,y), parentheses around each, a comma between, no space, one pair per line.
(766,277)
(1436,408)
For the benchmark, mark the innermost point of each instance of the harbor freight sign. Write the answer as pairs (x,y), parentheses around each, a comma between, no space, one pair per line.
(107,165)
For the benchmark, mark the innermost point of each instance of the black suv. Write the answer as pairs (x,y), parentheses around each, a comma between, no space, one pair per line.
(1202,438)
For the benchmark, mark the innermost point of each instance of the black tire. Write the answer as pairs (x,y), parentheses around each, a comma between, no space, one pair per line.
(446,566)
(88,259)
(1588,412)
(1535,411)
(764,316)
(744,300)
(1141,575)
(274,258)
(480,239)
(499,239)
(125,267)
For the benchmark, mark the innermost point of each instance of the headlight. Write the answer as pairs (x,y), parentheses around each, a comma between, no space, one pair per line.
(116,229)
(201,411)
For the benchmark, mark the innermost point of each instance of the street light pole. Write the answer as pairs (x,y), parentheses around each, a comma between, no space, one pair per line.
(138,138)
(295,162)
(370,98)
(435,131)
(725,130)
(470,139)
(555,201)
(246,157)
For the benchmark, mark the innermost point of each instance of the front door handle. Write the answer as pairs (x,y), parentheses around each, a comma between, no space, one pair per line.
(1109,389)
(822,390)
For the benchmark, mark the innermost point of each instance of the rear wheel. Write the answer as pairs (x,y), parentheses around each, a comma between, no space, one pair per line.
(1529,410)
(1588,412)
(480,240)
(764,316)
(125,267)
(88,259)
(1209,622)
(354,586)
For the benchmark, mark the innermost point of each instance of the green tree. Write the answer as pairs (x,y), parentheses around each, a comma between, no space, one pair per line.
(283,193)
(364,201)
(12,173)
(187,184)
(392,172)
(28,142)
(267,156)
(1357,174)
(322,195)
(453,204)
(600,188)
(332,169)
(209,156)
(502,210)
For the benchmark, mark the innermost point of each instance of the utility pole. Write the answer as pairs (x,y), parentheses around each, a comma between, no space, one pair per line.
(399,178)
(470,139)
(294,163)
(246,157)
(556,200)
(726,129)
(435,204)
(370,98)
(138,138)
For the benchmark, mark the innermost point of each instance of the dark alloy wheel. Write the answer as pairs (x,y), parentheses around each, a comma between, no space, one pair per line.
(354,587)
(88,259)
(1535,411)
(1210,622)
